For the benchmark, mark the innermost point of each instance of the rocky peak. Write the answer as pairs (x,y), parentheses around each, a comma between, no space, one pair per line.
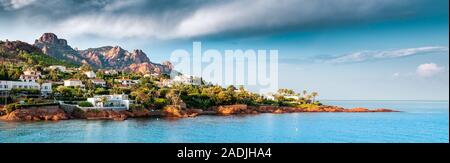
(51,38)
(168,64)
(139,56)
(117,49)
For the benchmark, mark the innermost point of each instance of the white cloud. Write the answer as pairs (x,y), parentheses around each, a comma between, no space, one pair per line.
(377,55)
(227,17)
(117,5)
(110,26)
(181,19)
(15,4)
(264,14)
(428,70)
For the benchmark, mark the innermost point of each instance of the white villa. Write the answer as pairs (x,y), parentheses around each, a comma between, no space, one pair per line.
(73,83)
(28,80)
(58,67)
(90,74)
(8,85)
(115,102)
(128,82)
(99,82)
(110,72)
(30,76)
(182,79)
(186,79)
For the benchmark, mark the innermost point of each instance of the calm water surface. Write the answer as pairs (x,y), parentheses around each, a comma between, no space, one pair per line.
(420,121)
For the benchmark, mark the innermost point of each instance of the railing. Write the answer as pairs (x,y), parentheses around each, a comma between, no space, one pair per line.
(70,107)
(102,108)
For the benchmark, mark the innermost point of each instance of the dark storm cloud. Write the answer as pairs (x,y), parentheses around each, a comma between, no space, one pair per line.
(203,18)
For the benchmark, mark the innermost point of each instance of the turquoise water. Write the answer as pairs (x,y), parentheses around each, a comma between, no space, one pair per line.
(420,121)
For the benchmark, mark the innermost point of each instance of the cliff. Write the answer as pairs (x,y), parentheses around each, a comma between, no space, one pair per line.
(46,113)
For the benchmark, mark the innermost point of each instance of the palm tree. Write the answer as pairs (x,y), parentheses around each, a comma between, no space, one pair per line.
(40,82)
(305,95)
(308,98)
(314,94)
(102,100)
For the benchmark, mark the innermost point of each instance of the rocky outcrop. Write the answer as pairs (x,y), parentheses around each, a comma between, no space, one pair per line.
(105,115)
(235,109)
(47,113)
(244,109)
(175,111)
(13,46)
(144,68)
(138,113)
(113,57)
(51,45)
(170,111)
(107,57)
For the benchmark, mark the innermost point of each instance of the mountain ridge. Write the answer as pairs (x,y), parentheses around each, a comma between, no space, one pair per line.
(105,57)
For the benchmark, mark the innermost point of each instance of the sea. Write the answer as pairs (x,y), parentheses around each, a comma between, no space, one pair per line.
(417,122)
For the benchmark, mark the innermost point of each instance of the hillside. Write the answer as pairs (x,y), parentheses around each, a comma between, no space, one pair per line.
(19,52)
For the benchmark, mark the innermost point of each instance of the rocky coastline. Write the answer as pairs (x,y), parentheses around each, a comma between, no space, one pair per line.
(55,113)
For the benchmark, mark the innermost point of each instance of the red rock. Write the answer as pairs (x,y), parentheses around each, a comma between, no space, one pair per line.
(231,109)
(358,110)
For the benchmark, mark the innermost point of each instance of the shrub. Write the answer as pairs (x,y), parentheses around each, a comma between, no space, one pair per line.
(11,107)
(136,106)
(101,91)
(25,91)
(160,102)
(85,104)
(77,112)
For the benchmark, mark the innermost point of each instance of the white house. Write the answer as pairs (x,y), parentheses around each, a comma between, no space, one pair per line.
(46,88)
(269,96)
(110,72)
(166,83)
(30,76)
(90,74)
(115,102)
(58,67)
(128,82)
(186,79)
(292,97)
(99,82)
(73,83)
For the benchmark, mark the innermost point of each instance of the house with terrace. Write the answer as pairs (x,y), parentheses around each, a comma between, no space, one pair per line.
(109,102)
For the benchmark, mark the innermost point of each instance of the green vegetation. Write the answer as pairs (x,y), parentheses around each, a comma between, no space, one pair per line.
(85,104)
(12,107)
(42,59)
(27,91)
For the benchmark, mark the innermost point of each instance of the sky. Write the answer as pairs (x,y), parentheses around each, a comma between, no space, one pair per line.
(343,49)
